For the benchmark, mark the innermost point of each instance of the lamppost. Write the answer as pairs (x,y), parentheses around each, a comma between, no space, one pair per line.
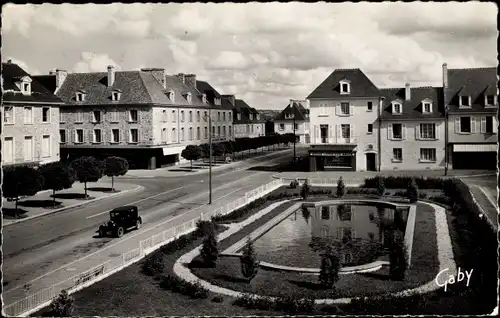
(209,156)
(294,136)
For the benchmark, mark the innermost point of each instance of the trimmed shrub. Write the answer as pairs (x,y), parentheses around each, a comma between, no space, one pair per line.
(153,265)
(380,186)
(340,188)
(422,195)
(204,228)
(218,299)
(294,184)
(249,262)
(441,199)
(364,191)
(243,211)
(290,305)
(398,259)
(330,267)
(209,251)
(412,191)
(176,284)
(62,306)
(401,182)
(306,189)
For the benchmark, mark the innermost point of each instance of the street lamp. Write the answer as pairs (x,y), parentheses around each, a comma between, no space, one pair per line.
(209,157)
(294,136)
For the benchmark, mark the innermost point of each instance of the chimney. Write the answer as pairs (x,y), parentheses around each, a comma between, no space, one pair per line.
(182,77)
(230,97)
(190,79)
(111,75)
(407,91)
(445,75)
(9,61)
(60,77)
(159,74)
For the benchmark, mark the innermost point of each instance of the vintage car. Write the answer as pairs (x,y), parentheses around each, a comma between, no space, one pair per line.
(121,219)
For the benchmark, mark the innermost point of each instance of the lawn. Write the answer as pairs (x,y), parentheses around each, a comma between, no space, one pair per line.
(425,267)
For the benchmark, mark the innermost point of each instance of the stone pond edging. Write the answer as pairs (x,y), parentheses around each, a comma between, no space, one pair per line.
(445,257)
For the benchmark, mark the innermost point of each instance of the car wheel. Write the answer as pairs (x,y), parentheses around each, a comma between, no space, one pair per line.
(102,233)
(119,232)
(137,224)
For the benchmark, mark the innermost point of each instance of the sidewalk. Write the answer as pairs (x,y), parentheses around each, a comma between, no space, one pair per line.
(200,167)
(42,203)
(485,202)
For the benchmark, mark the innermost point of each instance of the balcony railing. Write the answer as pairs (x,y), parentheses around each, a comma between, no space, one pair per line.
(334,140)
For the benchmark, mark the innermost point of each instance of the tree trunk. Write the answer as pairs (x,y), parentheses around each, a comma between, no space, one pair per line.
(15,209)
(85,185)
(191,164)
(54,196)
(112,183)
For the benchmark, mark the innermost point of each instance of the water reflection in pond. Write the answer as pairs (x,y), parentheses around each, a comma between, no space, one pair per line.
(359,233)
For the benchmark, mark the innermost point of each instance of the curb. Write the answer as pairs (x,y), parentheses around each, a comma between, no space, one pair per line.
(276,176)
(136,189)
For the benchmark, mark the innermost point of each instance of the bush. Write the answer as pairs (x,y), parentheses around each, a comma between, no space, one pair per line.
(400,194)
(441,199)
(306,189)
(422,195)
(291,305)
(412,191)
(294,184)
(204,228)
(402,182)
(62,306)
(218,299)
(153,265)
(175,284)
(398,258)
(380,186)
(330,267)
(340,188)
(362,191)
(241,212)
(249,262)
(209,251)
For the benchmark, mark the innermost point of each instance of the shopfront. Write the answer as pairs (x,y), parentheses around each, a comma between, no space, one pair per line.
(332,158)
(474,156)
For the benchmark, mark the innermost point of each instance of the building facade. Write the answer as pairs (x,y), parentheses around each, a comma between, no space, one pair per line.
(30,119)
(344,123)
(472,124)
(146,116)
(294,119)
(247,122)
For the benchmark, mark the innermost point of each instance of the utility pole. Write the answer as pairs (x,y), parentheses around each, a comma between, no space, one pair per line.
(210,158)
(294,136)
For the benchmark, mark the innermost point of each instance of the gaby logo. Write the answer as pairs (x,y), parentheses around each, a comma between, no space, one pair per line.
(443,279)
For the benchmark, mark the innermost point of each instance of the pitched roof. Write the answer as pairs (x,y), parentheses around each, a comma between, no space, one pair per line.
(361,86)
(11,73)
(413,108)
(269,114)
(205,87)
(474,82)
(293,108)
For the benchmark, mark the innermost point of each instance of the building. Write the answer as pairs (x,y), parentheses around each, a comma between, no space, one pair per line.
(412,135)
(30,119)
(247,122)
(268,115)
(294,119)
(344,113)
(472,127)
(146,116)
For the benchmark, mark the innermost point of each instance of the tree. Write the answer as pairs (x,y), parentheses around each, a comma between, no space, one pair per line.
(62,306)
(87,169)
(114,167)
(398,258)
(57,176)
(330,268)
(380,186)
(340,188)
(21,181)
(191,152)
(219,149)
(412,191)
(209,251)
(249,262)
(205,151)
(304,192)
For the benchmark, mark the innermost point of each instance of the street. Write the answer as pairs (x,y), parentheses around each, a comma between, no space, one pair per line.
(35,247)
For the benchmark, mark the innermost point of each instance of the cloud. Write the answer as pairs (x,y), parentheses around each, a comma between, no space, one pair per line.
(24,66)
(92,62)
(265,53)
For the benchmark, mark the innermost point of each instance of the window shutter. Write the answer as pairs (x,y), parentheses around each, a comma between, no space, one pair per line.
(330,133)
(75,136)
(457,125)
(483,124)
(352,127)
(473,125)
(351,109)
(403,131)
(316,133)
(337,109)
(417,132)
(339,132)
(437,128)
(102,115)
(389,131)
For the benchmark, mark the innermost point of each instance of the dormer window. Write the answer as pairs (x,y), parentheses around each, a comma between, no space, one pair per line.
(115,95)
(258,116)
(171,96)
(188,97)
(489,100)
(251,116)
(238,116)
(345,87)
(464,101)
(80,96)
(26,85)
(204,98)
(397,108)
(426,106)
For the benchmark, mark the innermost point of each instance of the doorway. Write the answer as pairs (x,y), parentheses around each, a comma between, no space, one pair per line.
(370,162)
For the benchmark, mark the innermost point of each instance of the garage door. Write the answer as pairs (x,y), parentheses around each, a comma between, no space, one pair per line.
(475,160)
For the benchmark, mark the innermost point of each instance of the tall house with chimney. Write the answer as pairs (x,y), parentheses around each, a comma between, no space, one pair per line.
(294,119)
(344,122)
(412,134)
(30,119)
(146,116)
(471,101)
(247,122)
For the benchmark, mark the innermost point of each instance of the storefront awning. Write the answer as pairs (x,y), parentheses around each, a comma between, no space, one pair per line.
(330,154)
(173,150)
(333,147)
(476,148)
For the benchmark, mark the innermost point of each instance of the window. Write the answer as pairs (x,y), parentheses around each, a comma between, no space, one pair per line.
(46,114)
(428,154)
(174,135)
(213,130)
(224,131)
(26,87)
(346,131)
(164,135)
(258,116)
(133,115)
(198,116)
(188,98)
(182,134)
(224,116)
(190,116)
(171,95)
(97,136)
(490,99)
(428,131)
(396,108)
(325,213)
(323,111)
(115,116)
(427,108)
(344,87)
(218,131)
(205,116)
(190,133)
(79,136)
(344,108)
(370,106)
(464,101)
(28,148)
(62,117)
(115,135)
(134,135)
(465,125)
(28,115)
(488,125)
(205,133)
(370,128)
(198,133)
(230,131)
(397,131)
(182,116)
(62,136)
(115,96)
(397,154)
(8,150)
(282,127)
(96,116)
(238,116)
(251,116)
(218,116)
(80,97)
(79,117)
(8,115)
(296,126)
(173,116)
(164,116)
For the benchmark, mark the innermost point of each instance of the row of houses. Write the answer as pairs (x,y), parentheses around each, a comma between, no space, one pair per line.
(353,125)
(146,116)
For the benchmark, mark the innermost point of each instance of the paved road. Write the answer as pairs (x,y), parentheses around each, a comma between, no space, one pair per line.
(37,246)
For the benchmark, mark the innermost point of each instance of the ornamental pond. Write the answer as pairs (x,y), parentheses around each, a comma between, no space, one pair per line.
(360,233)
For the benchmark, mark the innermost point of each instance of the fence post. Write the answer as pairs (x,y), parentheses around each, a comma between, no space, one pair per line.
(201,216)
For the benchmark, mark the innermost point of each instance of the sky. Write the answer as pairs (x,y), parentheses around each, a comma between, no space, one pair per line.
(264,53)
